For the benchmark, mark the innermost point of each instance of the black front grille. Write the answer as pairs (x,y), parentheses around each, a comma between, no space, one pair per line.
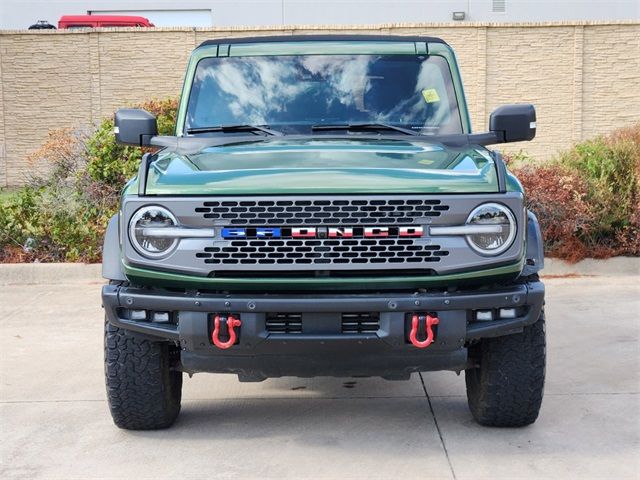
(321,212)
(360,322)
(390,251)
(284,323)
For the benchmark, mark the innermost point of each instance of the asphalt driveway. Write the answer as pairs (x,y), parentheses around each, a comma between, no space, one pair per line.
(54,421)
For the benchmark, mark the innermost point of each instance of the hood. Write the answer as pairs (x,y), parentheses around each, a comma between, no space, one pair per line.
(285,166)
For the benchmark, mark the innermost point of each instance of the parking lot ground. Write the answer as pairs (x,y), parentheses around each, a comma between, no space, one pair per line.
(54,420)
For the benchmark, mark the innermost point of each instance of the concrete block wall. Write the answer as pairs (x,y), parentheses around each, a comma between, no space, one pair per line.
(583,77)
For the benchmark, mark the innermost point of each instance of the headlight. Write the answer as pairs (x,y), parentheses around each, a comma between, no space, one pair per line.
(495,240)
(145,231)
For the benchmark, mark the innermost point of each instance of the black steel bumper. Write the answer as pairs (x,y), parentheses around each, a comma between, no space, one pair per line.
(321,348)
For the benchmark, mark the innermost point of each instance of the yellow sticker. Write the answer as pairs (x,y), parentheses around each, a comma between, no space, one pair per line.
(430,95)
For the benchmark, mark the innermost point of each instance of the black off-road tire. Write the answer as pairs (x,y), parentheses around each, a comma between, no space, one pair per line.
(506,388)
(143,391)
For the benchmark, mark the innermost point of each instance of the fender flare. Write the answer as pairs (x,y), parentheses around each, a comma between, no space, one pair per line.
(111,265)
(534,257)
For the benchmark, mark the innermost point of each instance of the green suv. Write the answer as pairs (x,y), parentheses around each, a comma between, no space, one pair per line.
(323,209)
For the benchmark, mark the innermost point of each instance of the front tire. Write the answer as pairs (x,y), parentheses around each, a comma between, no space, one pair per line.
(143,391)
(506,387)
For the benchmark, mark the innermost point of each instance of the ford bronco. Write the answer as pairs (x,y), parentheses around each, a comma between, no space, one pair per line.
(323,209)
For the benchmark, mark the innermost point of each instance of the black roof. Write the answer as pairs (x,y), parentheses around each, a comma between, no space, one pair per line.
(321,38)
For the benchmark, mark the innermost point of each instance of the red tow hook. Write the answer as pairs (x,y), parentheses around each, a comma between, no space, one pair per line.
(430,322)
(232,322)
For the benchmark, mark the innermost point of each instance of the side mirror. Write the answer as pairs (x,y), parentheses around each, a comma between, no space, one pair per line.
(134,126)
(513,123)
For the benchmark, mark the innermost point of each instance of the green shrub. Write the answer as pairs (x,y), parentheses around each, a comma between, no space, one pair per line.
(609,165)
(588,198)
(518,159)
(62,216)
(19,220)
(113,164)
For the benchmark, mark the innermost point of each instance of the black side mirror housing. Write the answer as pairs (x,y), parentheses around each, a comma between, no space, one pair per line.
(134,126)
(513,123)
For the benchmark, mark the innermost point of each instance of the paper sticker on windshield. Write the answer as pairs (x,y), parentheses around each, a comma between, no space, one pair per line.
(430,95)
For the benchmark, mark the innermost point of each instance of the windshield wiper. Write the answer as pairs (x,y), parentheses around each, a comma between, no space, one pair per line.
(362,126)
(235,128)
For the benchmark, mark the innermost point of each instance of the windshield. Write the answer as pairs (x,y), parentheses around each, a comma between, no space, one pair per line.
(294,93)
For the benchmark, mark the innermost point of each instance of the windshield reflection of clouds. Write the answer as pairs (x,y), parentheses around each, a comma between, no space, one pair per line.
(239,80)
(410,108)
(311,89)
(345,76)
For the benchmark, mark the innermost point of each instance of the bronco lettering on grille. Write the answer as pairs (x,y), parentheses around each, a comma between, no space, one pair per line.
(411,231)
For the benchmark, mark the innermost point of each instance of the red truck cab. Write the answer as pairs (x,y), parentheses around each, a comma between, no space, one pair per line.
(102,21)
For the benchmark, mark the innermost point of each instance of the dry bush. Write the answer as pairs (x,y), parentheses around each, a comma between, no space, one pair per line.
(587,199)
(62,215)
(558,198)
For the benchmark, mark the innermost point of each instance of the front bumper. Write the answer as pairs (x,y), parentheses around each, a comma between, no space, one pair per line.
(321,347)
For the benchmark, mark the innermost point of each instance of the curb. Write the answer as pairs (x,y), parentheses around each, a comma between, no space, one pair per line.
(611,267)
(50,273)
(76,273)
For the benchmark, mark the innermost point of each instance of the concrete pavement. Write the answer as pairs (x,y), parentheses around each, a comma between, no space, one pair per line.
(54,421)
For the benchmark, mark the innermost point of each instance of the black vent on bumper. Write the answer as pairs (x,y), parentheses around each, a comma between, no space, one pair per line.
(284,323)
(360,322)
(322,212)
